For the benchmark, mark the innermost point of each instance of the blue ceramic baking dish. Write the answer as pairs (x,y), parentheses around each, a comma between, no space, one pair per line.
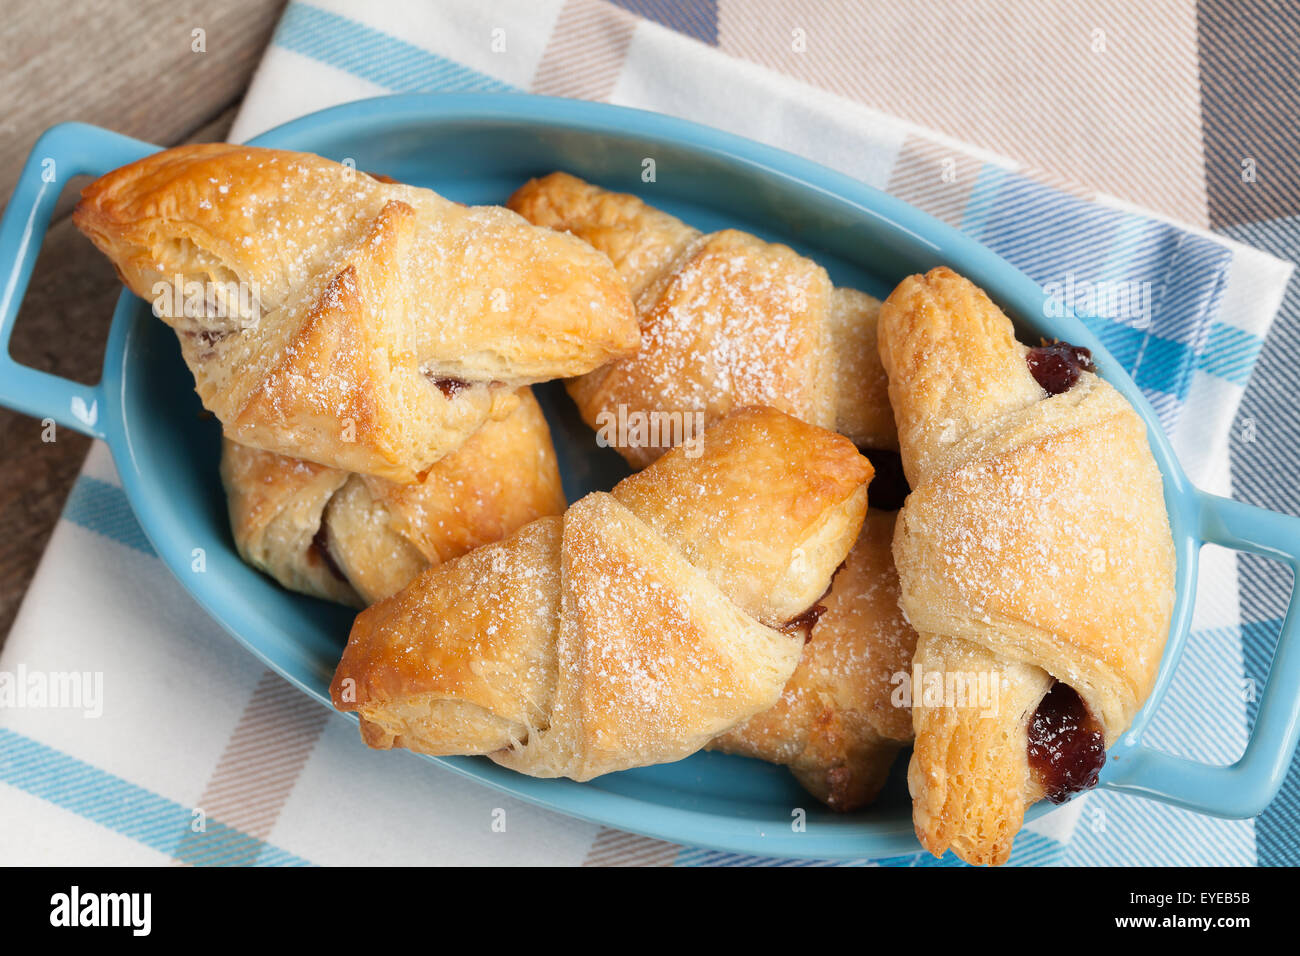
(477,148)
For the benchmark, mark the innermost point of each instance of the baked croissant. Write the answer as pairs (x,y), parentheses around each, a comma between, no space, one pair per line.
(837,726)
(369,326)
(632,630)
(727,320)
(1034,555)
(356,539)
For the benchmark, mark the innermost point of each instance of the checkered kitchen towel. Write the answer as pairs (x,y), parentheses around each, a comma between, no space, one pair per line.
(1138,161)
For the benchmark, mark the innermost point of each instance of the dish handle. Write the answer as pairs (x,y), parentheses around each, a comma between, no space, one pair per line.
(1246,787)
(62,152)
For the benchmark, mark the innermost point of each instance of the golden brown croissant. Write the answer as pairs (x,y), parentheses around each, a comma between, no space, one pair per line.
(356,539)
(836,725)
(727,320)
(630,631)
(1035,559)
(369,326)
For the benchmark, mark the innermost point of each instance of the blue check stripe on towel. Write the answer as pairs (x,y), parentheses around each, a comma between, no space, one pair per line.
(103,508)
(375,56)
(128,809)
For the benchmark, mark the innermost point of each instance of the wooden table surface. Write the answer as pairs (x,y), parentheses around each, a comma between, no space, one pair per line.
(127,65)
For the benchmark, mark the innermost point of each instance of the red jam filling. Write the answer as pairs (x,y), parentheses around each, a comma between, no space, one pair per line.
(804,622)
(1067,748)
(1058,366)
(450,387)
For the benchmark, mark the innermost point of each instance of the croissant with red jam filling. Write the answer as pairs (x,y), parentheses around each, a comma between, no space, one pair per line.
(1034,553)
